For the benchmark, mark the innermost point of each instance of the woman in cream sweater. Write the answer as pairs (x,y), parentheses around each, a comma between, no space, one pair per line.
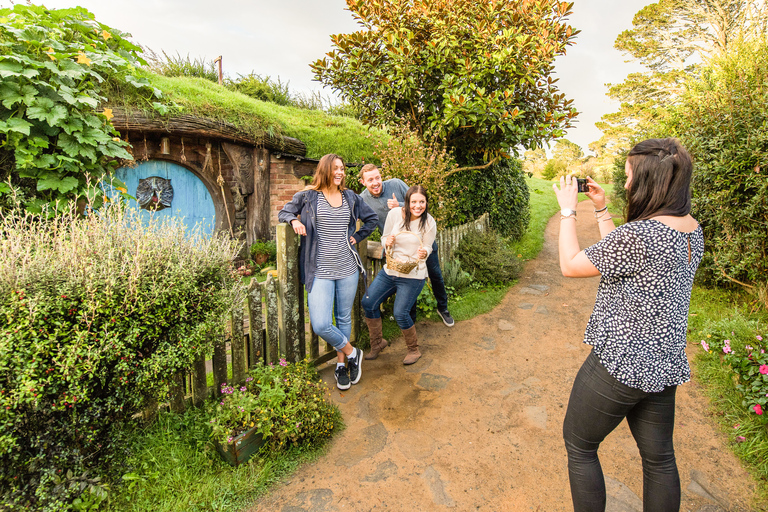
(416,244)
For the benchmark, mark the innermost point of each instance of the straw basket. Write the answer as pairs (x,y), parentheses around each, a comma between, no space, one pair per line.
(404,267)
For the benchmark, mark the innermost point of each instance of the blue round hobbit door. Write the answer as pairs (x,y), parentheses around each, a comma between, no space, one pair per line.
(167,189)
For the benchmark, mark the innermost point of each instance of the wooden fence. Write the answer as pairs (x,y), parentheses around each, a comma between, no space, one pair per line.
(271,323)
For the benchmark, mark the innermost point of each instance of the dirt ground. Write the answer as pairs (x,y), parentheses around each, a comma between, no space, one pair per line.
(476,423)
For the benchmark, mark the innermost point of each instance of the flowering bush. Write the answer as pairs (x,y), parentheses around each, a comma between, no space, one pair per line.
(286,403)
(747,354)
(97,313)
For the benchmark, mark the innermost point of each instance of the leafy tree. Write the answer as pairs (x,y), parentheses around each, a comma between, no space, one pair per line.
(55,67)
(671,38)
(722,120)
(553,169)
(567,152)
(476,74)
(534,160)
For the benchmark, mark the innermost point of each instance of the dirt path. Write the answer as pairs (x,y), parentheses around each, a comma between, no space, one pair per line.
(476,423)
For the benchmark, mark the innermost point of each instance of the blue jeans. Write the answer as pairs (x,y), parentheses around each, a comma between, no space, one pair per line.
(383,287)
(436,280)
(335,296)
(597,405)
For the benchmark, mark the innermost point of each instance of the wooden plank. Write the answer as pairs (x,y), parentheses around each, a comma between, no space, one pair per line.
(219,364)
(255,324)
(324,358)
(177,393)
(291,327)
(259,213)
(237,346)
(199,381)
(273,340)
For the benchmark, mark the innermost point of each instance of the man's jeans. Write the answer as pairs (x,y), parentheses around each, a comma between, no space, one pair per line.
(597,405)
(335,296)
(436,280)
(383,287)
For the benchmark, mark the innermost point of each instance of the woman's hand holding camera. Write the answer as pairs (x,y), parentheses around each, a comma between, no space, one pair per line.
(568,193)
(596,194)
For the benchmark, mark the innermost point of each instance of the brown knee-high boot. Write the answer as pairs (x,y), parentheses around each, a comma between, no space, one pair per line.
(378,343)
(413,354)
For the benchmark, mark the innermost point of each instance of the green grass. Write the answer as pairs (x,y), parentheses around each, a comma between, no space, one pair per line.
(716,307)
(322,133)
(174,467)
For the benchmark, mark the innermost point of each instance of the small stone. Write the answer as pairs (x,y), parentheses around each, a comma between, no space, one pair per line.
(528,290)
(525,305)
(537,416)
(436,485)
(539,287)
(506,326)
(542,310)
(433,382)
(620,498)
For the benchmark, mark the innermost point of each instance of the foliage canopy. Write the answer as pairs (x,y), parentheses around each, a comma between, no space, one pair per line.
(478,75)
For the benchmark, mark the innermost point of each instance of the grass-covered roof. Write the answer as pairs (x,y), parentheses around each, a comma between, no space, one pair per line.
(322,133)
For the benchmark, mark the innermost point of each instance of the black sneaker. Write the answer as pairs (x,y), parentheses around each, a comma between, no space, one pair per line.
(447,318)
(342,378)
(355,370)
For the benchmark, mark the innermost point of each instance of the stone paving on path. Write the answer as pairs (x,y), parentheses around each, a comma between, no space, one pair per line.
(476,423)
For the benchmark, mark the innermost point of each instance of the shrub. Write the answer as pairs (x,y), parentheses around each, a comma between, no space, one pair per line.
(268,247)
(56,66)
(262,88)
(740,345)
(286,403)
(97,313)
(722,121)
(455,277)
(487,260)
(500,190)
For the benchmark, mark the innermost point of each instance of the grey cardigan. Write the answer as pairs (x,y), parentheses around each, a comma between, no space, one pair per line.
(304,203)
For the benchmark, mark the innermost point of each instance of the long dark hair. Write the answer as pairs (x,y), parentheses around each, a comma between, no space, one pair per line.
(661,179)
(323,178)
(416,189)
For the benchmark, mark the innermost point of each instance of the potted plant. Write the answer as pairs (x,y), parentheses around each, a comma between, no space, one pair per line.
(278,405)
(263,251)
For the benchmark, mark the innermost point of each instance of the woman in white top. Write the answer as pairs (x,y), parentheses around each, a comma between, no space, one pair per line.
(408,233)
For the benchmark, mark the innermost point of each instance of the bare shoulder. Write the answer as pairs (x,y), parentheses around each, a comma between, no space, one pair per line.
(686,224)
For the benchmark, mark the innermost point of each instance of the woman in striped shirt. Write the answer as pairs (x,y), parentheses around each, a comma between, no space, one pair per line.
(328,261)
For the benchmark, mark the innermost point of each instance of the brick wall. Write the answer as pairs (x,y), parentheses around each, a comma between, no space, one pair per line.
(284,181)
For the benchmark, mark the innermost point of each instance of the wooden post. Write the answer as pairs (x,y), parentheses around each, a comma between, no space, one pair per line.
(259,213)
(255,324)
(357,309)
(199,381)
(273,341)
(291,326)
(237,345)
(177,393)
(219,364)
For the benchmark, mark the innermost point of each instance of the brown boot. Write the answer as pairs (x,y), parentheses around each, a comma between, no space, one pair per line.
(377,342)
(413,354)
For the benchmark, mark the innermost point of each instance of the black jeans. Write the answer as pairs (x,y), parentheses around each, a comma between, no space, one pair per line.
(597,405)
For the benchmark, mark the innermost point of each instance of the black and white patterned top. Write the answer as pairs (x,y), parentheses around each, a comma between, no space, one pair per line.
(334,256)
(639,322)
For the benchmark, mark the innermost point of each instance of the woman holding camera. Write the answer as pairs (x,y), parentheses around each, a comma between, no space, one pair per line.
(408,233)
(638,324)
(328,261)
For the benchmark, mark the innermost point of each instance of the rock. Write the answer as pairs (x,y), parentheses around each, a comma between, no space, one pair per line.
(530,290)
(620,498)
(372,440)
(383,471)
(433,382)
(316,500)
(504,325)
(525,305)
(536,416)
(700,486)
(542,310)
(435,483)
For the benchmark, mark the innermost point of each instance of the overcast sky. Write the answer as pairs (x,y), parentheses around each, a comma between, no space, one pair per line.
(280,38)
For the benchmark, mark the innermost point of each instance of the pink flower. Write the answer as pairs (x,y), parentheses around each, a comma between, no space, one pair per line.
(758,409)
(764,369)
(243,388)
(727,349)
(740,439)
(705,345)
(737,425)
(283,362)
(759,338)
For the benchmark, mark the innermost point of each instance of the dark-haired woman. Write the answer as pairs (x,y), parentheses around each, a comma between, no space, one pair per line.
(638,324)
(414,218)
(328,261)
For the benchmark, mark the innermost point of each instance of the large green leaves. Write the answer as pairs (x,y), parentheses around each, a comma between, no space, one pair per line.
(55,65)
